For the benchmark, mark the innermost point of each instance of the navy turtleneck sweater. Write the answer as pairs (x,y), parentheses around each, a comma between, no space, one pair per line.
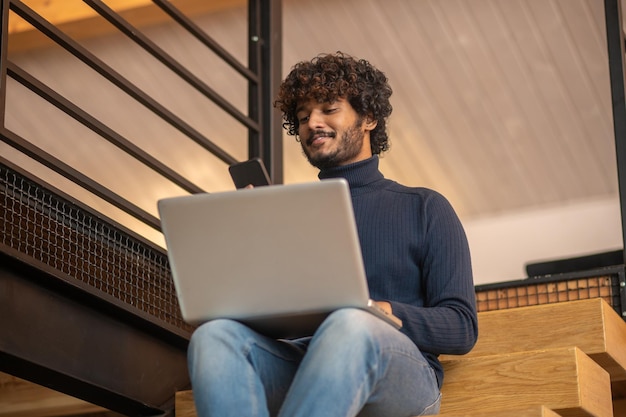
(416,257)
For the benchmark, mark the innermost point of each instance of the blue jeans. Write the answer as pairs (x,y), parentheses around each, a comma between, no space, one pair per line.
(355,364)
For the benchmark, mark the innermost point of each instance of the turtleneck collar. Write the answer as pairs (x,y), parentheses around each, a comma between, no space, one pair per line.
(357,174)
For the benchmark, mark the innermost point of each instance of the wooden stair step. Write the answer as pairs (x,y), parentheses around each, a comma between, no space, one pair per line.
(563,358)
(565,380)
(534,411)
(183,405)
(21,398)
(592,325)
(186,408)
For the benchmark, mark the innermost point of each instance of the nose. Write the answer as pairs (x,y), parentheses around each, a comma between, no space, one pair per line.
(316,120)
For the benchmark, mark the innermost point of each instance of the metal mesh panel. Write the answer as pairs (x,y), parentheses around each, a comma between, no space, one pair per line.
(83,247)
(56,233)
(534,292)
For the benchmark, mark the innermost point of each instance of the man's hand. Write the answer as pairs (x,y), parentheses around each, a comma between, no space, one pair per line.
(385,306)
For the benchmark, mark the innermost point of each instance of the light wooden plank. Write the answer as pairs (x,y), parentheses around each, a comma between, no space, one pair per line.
(592,325)
(186,408)
(578,89)
(20,398)
(614,359)
(534,411)
(520,112)
(564,380)
(184,405)
(80,21)
(61,12)
(492,105)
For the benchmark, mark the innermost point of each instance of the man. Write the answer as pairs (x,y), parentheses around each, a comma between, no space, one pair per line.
(417,263)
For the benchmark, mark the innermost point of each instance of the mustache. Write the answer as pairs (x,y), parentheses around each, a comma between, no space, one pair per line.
(319,134)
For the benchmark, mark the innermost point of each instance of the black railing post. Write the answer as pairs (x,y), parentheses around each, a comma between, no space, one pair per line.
(255,106)
(615,45)
(4,41)
(265,59)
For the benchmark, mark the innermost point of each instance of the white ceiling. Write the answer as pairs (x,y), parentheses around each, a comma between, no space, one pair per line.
(501,105)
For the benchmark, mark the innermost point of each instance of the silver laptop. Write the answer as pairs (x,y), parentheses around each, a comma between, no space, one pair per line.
(279,258)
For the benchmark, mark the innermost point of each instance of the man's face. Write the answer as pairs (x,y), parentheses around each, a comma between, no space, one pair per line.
(332,133)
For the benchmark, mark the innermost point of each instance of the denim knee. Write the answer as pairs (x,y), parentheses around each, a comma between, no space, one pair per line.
(216,333)
(352,323)
(214,329)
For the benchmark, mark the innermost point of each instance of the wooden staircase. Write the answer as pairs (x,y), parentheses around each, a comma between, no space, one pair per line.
(565,359)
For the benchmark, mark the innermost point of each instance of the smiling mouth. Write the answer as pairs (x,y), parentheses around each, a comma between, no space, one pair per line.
(319,135)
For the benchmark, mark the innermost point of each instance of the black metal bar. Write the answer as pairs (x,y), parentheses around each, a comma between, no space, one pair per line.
(154,50)
(4,41)
(117,79)
(265,58)
(203,37)
(622,293)
(76,176)
(78,345)
(615,45)
(93,124)
(271,76)
(255,107)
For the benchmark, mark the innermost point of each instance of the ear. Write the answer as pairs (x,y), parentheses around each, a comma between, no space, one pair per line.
(370,122)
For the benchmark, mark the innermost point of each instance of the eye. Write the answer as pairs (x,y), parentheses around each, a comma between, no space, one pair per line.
(303,119)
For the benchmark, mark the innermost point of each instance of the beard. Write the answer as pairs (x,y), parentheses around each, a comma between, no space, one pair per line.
(348,147)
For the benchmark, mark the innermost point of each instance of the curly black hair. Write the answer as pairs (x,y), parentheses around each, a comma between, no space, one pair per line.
(328,77)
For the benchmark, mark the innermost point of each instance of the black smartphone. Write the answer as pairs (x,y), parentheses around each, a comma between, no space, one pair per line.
(250,172)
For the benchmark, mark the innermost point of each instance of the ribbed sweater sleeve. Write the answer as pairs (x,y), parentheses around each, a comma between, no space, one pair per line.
(416,257)
(446,322)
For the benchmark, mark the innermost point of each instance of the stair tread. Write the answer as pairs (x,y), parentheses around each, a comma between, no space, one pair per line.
(561,379)
(592,325)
